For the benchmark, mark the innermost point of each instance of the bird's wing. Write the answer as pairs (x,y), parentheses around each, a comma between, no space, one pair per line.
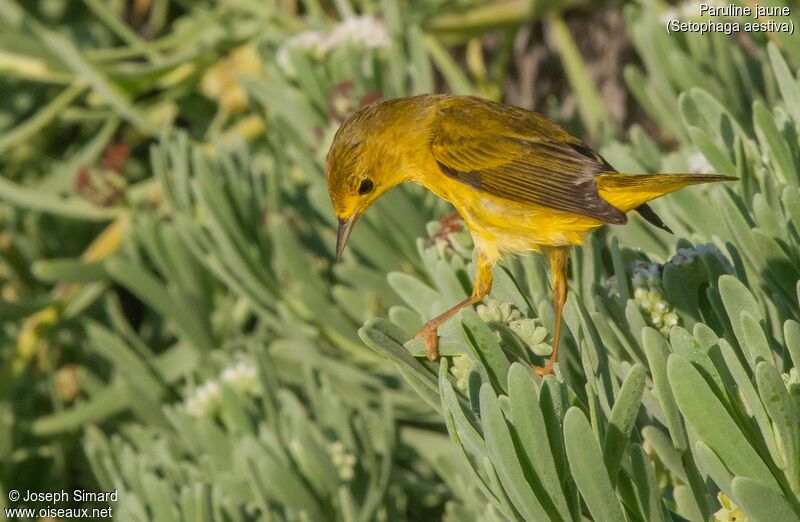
(518,155)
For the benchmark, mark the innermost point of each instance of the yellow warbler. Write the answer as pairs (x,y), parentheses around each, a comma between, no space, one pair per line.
(520,182)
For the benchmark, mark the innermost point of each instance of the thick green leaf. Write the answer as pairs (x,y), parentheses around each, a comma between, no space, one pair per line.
(384,337)
(748,394)
(588,469)
(762,503)
(785,418)
(737,299)
(791,333)
(41,201)
(786,81)
(711,421)
(644,477)
(716,156)
(774,144)
(684,344)
(506,289)
(268,475)
(620,273)
(756,343)
(72,57)
(150,290)
(68,270)
(665,450)
(451,71)
(463,422)
(421,70)
(503,454)
(486,349)
(530,428)
(623,416)
(417,295)
(713,467)
(110,401)
(45,116)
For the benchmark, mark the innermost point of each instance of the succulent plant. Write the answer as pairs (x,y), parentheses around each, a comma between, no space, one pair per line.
(176,327)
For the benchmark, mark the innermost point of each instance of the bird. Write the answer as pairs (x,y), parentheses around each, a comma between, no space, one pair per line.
(520,182)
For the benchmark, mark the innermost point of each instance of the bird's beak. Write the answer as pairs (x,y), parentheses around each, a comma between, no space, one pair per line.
(345,227)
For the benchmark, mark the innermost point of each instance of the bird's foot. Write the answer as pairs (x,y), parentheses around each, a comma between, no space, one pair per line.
(547,369)
(431,337)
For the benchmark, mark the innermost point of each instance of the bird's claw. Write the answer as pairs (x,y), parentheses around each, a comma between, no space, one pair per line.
(547,369)
(431,337)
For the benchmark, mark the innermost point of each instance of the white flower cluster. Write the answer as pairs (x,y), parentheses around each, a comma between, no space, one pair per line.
(242,378)
(462,365)
(497,312)
(365,31)
(793,377)
(359,30)
(343,460)
(533,334)
(307,41)
(527,328)
(646,282)
(204,401)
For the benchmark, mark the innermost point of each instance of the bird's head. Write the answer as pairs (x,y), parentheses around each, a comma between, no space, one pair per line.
(364,161)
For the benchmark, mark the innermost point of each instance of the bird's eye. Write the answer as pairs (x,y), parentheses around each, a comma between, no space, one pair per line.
(366,187)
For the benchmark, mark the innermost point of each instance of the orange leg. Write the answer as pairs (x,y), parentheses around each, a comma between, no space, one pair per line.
(558,257)
(480,289)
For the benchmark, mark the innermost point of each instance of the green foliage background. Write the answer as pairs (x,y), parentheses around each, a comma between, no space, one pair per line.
(174,327)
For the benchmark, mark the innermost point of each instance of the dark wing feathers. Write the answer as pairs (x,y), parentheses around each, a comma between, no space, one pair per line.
(520,156)
(649,214)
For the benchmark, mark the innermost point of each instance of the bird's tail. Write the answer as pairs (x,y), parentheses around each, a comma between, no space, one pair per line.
(629,191)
